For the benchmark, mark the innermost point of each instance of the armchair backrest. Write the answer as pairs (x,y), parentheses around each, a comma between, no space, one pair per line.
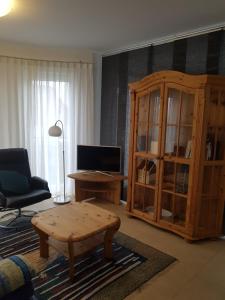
(15,159)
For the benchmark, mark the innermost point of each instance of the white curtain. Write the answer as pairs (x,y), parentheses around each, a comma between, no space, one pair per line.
(33,96)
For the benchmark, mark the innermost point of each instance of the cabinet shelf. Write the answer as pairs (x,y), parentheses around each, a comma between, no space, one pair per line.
(148,186)
(175,193)
(181,160)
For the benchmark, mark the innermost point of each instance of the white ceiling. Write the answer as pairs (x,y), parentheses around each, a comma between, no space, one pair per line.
(103,25)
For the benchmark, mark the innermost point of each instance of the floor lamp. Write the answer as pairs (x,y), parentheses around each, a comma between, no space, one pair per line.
(56,131)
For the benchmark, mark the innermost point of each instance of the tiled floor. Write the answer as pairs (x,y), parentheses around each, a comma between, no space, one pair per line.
(199,272)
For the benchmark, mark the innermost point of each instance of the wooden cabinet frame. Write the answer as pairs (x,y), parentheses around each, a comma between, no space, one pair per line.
(191,213)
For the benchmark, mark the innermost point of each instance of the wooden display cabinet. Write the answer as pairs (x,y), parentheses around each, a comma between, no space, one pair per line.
(177,153)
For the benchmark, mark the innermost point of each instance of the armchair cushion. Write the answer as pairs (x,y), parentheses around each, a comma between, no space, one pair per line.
(15,272)
(13,183)
(34,196)
(39,183)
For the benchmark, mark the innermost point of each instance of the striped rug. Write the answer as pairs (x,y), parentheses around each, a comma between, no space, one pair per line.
(95,278)
(19,241)
(93,273)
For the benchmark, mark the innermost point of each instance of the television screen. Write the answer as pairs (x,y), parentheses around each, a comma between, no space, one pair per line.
(98,158)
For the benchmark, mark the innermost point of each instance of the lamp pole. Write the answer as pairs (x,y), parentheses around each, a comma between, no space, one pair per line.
(57,131)
(63,152)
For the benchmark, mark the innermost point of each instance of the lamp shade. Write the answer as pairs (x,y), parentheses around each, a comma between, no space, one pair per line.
(55,131)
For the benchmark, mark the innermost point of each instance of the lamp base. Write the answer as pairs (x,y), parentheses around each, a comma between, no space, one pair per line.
(61,199)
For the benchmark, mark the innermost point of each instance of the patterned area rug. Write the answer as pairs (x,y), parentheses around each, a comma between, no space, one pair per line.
(96,278)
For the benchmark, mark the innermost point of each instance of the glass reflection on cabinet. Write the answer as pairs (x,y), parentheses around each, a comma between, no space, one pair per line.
(154,109)
(146,171)
(180,112)
(173,107)
(142,122)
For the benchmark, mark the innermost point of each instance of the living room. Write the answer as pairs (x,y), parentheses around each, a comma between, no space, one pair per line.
(114,88)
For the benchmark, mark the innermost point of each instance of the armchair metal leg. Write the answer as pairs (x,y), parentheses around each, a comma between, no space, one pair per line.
(7,221)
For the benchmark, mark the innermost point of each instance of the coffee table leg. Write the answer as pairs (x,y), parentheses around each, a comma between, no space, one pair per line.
(108,238)
(71,261)
(44,249)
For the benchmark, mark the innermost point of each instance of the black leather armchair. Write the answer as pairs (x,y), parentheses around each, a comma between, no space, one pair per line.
(16,159)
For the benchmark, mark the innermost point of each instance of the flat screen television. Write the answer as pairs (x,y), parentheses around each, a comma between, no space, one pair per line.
(99,158)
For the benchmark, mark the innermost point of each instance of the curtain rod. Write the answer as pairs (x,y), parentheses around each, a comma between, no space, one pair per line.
(46,60)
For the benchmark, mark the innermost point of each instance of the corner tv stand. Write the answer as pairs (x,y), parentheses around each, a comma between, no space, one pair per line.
(102,185)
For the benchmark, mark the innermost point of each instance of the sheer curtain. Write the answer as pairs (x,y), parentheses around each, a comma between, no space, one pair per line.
(33,96)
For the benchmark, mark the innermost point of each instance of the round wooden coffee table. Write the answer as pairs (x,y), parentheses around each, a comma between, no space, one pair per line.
(75,229)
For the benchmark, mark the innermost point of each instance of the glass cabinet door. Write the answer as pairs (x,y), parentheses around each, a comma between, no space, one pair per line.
(176,153)
(174,192)
(146,170)
(145,186)
(148,120)
(154,121)
(142,123)
(179,123)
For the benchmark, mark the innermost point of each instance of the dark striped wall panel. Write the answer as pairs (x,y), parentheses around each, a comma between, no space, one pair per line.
(138,63)
(195,55)
(179,55)
(109,103)
(162,57)
(213,54)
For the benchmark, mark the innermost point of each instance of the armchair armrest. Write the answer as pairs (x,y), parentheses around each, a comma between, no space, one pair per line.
(2,200)
(39,183)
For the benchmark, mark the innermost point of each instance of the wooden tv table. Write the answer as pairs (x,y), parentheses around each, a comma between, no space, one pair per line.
(75,229)
(89,183)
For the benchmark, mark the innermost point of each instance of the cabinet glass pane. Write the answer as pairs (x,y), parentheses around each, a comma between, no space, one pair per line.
(168,180)
(175,177)
(142,122)
(185,141)
(182,177)
(166,207)
(151,169)
(153,142)
(180,112)
(146,171)
(171,140)
(220,145)
(173,107)
(144,199)
(173,209)
(154,110)
(215,143)
(215,137)
(140,170)
(179,212)
(138,200)
(149,201)
(154,118)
